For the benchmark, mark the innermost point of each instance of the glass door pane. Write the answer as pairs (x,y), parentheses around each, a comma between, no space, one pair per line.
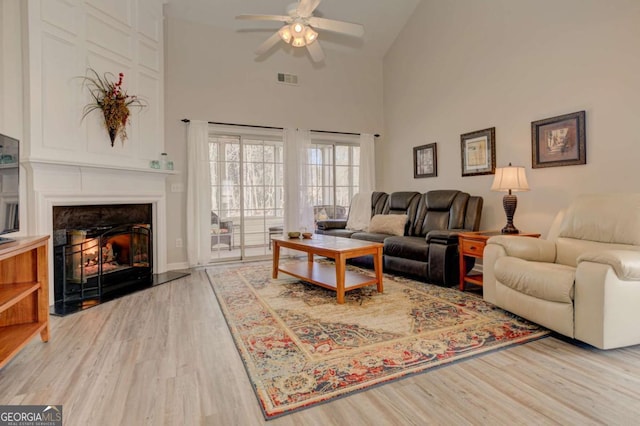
(224,160)
(263,186)
(347,175)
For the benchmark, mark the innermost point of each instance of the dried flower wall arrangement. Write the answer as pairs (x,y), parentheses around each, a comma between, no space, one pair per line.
(114,102)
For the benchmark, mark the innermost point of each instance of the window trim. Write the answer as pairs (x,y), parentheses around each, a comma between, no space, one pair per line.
(217,129)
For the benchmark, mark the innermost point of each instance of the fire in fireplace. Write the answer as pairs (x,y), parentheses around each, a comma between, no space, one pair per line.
(93,264)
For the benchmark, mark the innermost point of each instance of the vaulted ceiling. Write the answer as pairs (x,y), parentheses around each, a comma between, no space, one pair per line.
(383,19)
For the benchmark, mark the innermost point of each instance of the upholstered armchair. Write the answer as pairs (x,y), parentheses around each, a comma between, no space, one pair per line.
(221,231)
(583,281)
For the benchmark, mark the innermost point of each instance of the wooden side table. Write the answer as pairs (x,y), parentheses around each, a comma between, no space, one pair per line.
(471,244)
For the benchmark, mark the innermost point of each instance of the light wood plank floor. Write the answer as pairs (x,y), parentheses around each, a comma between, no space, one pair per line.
(165,356)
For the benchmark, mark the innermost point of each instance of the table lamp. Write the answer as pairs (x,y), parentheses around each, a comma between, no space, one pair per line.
(511,178)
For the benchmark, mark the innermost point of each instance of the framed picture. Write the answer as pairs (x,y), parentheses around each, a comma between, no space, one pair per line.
(425,161)
(559,141)
(479,152)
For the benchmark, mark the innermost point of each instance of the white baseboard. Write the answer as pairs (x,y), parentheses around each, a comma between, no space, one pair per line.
(177,265)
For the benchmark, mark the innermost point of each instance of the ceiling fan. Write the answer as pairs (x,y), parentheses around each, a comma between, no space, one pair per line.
(300,28)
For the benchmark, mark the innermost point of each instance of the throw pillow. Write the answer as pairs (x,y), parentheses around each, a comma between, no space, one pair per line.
(392,224)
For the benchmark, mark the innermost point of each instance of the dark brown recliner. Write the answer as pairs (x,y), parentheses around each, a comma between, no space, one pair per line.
(428,250)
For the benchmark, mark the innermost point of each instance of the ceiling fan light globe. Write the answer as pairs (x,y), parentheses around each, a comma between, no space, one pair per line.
(285,34)
(298,42)
(297,29)
(310,35)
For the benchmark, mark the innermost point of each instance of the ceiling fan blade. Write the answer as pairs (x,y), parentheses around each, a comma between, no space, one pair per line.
(316,52)
(356,30)
(306,7)
(268,44)
(264,18)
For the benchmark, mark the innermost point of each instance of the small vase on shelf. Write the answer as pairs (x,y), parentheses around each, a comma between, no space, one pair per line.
(164,160)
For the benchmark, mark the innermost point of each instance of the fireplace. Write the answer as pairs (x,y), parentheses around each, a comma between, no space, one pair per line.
(100,252)
(92,181)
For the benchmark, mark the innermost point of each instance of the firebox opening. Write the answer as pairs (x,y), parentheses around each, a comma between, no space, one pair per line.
(100,253)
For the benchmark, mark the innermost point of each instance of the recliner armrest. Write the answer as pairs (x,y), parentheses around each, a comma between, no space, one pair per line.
(526,248)
(331,224)
(625,263)
(443,236)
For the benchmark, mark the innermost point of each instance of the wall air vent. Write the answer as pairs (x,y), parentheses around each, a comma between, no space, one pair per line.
(288,79)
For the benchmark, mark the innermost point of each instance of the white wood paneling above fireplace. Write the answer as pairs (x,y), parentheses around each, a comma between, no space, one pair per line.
(66,37)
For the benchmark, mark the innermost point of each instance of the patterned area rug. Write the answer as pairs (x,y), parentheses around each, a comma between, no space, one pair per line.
(301,348)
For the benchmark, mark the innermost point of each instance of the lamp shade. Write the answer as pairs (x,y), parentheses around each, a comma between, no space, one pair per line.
(298,42)
(285,34)
(511,178)
(310,35)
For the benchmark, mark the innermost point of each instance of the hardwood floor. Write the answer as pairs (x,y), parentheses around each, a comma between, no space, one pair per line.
(165,356)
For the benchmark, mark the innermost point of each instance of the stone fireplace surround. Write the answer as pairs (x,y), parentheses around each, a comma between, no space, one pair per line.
(52,183)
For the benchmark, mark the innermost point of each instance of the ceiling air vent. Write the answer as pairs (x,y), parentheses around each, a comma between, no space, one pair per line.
(288,78)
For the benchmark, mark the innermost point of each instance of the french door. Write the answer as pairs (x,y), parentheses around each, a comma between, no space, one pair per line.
(246,194)
(247,188)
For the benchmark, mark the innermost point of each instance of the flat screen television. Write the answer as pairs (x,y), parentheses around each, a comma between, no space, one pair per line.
(9,187)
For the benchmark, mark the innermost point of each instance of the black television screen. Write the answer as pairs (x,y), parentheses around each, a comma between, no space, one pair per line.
(9,184)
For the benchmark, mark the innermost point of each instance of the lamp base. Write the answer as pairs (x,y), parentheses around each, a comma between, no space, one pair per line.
(510,202)
(510,229)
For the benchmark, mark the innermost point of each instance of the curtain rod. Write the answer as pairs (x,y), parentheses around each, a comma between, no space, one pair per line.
(186,120)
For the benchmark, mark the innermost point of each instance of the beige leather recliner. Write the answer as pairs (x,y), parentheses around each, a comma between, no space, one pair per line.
(583,281)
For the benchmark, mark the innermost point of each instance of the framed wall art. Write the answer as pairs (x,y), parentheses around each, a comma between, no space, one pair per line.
(425,161)
(559,141)
(479,152)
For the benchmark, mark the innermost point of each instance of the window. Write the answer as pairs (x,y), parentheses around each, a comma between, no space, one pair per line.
(334,170)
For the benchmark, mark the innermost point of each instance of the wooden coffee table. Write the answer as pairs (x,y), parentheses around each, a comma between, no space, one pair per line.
(334,277)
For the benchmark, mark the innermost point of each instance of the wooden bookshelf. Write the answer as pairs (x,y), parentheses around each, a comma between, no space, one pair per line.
(24,294)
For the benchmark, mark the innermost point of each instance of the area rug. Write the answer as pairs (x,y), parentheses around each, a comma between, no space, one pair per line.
(301,348)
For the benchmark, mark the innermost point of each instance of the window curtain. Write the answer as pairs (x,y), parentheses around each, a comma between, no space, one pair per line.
(367,172)
(298,212)
(198,194)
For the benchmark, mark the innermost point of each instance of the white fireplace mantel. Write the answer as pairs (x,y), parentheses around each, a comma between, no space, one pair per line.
(55,183)
(42,163)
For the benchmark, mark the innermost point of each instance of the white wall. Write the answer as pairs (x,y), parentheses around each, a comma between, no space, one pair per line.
(213,75)
(44,46)
(466,65)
